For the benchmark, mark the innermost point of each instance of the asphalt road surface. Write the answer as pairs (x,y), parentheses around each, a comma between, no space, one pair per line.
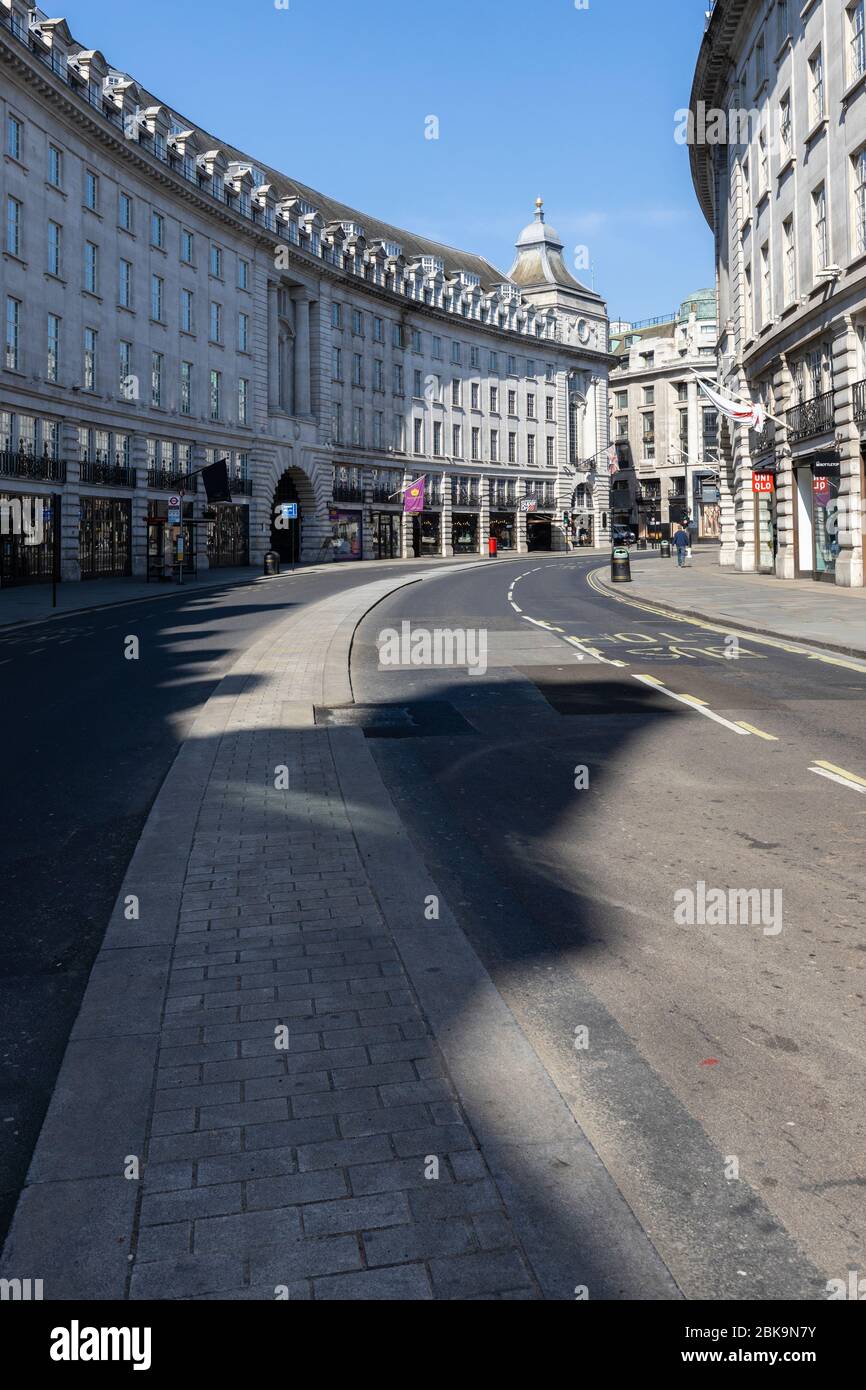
(89,739)
(721,1074)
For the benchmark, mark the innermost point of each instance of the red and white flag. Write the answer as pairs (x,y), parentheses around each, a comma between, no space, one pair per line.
(749,413)
(612,460)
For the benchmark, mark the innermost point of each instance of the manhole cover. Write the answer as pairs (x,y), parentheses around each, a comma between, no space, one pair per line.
(423,719)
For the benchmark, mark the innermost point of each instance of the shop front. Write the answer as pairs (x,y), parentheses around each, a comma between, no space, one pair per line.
(346,530)
(539,532)
(228,535)
(386,528)
(817,516)
(426,534)
(464,533)
(503,529)
(105,537)
(766,526)
(26,539)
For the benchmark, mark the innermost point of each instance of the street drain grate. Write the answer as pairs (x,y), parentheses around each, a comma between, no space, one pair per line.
(422,719)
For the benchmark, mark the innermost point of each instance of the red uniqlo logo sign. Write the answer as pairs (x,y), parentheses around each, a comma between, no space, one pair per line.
(762,482)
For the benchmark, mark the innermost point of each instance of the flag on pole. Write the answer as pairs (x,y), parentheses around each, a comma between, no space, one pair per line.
(413,498)
(612,460)
(750,413)
(216,481)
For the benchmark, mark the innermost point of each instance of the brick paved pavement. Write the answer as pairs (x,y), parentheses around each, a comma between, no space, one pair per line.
(253,1043)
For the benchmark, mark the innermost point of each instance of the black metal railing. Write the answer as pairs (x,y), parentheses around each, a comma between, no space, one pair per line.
(545,498)
(107,474)
(860,400)
(20,463)
(433,492)
(465,492)
(503,495)
(348,492)
(811,417)
(387,492)
(168,480)
(763,442)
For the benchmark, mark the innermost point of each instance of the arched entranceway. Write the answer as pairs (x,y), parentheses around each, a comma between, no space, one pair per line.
(286,530)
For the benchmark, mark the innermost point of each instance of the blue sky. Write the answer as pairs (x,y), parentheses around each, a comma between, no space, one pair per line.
(532,97)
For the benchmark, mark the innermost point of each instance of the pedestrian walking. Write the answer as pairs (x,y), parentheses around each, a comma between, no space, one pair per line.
(681,541)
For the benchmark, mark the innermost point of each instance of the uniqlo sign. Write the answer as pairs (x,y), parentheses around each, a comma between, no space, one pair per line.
(763,482)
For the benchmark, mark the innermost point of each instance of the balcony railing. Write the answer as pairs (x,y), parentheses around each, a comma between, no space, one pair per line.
(19,463)
(465,492)
(433,492)
(764,442)
(107,474)
(545,497)
(168,480)
(811,417)
(503,495)
(348,492)
(386,487)
(860,400)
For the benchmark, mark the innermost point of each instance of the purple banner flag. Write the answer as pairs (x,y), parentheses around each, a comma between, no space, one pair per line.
(413,498)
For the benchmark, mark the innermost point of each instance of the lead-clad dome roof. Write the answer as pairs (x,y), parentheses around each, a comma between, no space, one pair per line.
(539,257)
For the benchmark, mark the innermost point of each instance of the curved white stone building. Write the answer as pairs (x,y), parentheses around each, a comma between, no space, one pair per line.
(778,155)
(169,301)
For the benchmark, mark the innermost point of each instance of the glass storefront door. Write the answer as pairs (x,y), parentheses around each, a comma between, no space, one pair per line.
(386,535)
(425,534)
(464,533)
(345,534)
(825,525)
(503,529)
(228,536)
(765,533)
(26,540)
(539,533)
(105,537)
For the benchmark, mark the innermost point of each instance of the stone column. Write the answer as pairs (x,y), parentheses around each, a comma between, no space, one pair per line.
(727,489)
(199,502)
(367,517)
(786,500)
(744,497)
(484,516)
(445,523)
(302,404)
(68,449)
(138,461)
(520,531)
(273,348)
(849,562)
(406,526)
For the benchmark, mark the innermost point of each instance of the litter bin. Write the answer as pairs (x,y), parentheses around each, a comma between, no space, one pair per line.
(272,562)
(665,549)
(491,547)
(620,566)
